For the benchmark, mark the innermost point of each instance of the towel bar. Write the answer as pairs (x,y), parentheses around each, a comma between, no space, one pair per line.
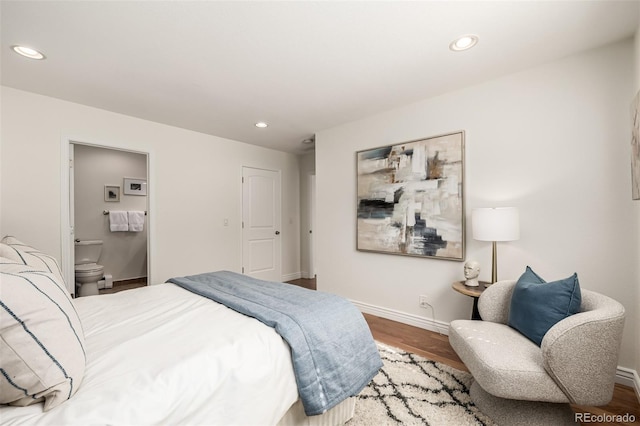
(106,212)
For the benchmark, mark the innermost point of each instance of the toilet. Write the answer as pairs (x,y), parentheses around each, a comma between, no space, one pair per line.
(88,272)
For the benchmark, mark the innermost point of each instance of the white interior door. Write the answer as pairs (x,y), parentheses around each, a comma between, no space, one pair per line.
(261,211)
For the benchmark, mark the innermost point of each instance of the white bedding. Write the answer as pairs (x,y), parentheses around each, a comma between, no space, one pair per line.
(162,355)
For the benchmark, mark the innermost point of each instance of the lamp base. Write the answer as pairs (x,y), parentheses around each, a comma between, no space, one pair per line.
(494,263)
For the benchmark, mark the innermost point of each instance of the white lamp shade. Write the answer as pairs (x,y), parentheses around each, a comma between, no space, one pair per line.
(496,224)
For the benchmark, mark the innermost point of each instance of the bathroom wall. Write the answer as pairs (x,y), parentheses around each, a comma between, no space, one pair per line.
(124,254)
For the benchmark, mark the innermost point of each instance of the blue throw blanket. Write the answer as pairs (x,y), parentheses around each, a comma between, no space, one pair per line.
(334,355)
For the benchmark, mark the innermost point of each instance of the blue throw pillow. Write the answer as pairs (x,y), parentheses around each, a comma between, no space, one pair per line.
(537,305)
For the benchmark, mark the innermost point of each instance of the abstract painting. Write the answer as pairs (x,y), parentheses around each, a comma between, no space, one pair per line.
(410,198)
(635,148)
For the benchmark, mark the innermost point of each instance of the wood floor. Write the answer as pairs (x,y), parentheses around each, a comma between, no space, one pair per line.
(124,285)
(436,347)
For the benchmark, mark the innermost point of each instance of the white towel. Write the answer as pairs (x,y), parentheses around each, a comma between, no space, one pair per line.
(136,221)
(118,221)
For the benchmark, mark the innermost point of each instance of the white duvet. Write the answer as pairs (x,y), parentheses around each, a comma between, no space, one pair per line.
(162,355)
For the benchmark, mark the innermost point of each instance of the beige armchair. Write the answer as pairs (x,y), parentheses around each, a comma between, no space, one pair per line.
(518,383)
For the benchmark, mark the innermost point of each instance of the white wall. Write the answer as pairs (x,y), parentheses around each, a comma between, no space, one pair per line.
(552,141)
(195,183)
(124,254)
(637,213)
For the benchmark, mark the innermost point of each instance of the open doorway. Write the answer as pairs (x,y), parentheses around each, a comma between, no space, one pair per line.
(105,181)
(102,180)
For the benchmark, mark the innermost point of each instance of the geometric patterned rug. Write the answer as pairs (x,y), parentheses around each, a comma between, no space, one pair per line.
(412,390)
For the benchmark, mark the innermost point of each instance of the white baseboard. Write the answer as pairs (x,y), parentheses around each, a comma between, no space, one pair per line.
(128,279)
(297,275)
(624,376)
(629,377)
(292,276)
(410,319)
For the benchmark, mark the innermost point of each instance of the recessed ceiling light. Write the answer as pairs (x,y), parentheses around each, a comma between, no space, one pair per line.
(27,52)
(261,124)
(464,42)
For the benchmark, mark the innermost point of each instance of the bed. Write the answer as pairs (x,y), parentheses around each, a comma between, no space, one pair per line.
(163,355)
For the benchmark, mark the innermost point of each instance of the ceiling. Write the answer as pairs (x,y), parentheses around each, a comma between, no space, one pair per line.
(218,67)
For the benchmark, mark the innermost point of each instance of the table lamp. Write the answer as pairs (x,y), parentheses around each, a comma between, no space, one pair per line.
(495,224)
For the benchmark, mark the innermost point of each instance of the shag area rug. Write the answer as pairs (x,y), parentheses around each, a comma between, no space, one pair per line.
(412,390)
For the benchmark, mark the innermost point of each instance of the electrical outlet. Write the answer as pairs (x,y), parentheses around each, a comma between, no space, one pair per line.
(424,301)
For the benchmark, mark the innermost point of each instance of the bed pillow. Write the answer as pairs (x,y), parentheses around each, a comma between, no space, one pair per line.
(42,354)
(537,305)
(14,249)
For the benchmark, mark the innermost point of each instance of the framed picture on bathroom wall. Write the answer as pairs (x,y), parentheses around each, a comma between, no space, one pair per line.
(135,186)
(112,193)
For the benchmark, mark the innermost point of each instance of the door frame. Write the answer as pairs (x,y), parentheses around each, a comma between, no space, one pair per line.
(312,226)
(66,197)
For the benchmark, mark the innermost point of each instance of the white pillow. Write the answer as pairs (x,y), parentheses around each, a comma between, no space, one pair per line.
(14,249)
(42,353)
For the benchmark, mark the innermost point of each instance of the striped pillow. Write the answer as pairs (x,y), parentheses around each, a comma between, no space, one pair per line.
(42,355)
(14,249)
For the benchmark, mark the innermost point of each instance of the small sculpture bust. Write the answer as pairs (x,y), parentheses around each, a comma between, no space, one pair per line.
(471,273)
